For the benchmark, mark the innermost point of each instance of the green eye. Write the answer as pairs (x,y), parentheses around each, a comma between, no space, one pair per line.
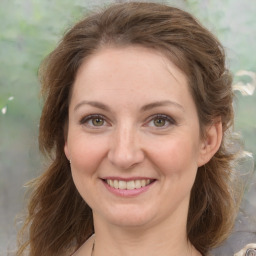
(97,121)
(93,121)
(159,122)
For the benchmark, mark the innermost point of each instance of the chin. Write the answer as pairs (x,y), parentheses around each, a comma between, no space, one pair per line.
(130,217)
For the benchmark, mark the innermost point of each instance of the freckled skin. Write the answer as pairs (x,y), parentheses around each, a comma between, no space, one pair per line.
(128,144)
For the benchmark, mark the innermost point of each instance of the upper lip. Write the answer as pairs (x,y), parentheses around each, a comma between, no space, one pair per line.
(126,179)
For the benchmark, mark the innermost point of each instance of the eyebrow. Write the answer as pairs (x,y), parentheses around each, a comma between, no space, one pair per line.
(161,104)
(143,108)
(93,104)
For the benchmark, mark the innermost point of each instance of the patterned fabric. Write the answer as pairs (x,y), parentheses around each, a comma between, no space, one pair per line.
(248,250)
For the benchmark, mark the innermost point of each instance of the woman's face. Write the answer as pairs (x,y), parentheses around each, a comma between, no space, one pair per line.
(133,137)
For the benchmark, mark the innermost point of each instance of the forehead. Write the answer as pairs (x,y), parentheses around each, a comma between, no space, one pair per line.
(130,68)
(125,80)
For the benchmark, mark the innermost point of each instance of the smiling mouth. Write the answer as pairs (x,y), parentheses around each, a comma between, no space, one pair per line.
(128,185)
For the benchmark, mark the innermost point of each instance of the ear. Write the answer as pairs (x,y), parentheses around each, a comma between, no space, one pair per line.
(66,151)
(210,143)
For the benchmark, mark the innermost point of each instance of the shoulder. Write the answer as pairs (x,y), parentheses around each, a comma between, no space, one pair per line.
(248,250)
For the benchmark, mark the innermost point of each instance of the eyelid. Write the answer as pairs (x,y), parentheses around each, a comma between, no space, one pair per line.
(168,118)
(87,118)
(84,120)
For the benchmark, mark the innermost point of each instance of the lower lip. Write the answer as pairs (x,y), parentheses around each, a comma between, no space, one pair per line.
(128,192)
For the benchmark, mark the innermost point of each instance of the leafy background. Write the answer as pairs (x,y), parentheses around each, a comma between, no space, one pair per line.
(30,29)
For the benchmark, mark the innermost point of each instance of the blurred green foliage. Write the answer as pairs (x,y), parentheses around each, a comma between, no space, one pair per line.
(234,23)
(30,29)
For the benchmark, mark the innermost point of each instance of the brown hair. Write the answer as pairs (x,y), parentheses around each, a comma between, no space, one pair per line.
(58,217)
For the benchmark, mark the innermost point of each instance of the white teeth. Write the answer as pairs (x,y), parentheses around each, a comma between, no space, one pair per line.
(116,184)
(132,184)
(137,184)
(122,184)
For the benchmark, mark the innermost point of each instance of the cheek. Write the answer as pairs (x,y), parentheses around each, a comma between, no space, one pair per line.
(86,153)
(176,165)
(86,156)
(177,152)
(176,155)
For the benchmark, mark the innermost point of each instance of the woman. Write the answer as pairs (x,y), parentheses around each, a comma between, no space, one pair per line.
(136,121)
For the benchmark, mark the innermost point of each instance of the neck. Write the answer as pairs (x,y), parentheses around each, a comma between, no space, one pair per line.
(112,240)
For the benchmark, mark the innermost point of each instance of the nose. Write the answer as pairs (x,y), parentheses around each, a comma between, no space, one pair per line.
(125,150)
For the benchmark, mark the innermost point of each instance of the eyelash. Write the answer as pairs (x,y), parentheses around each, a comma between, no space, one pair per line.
(85,120)
(167,118)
